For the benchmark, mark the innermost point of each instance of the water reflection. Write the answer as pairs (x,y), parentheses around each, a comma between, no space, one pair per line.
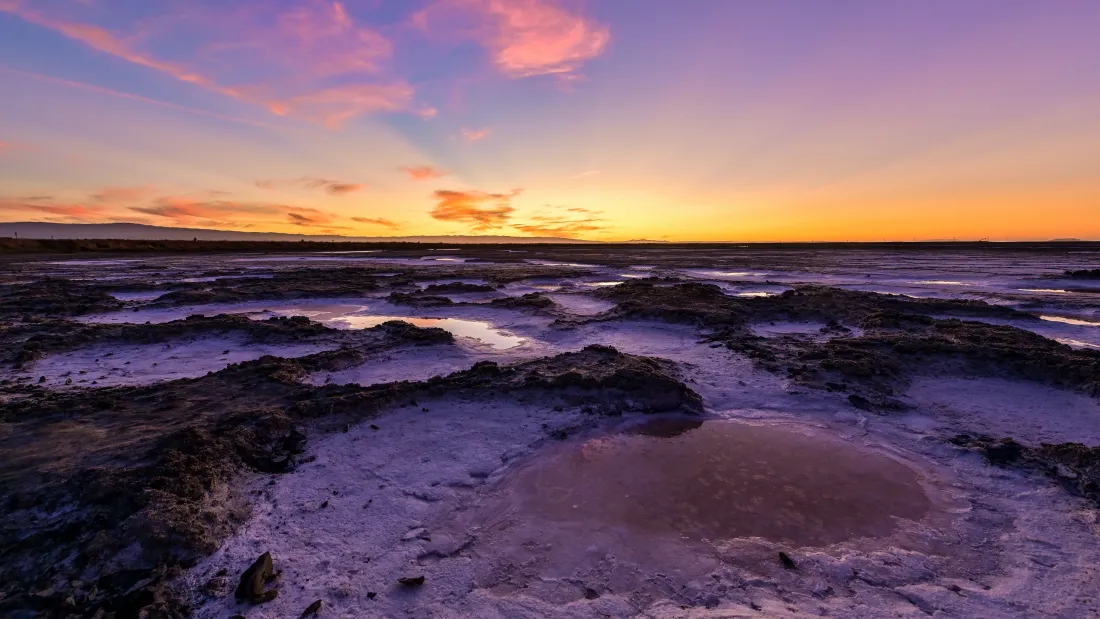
(720,480)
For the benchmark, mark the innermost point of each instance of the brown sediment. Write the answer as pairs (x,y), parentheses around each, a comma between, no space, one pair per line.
(111,492)
(721,480)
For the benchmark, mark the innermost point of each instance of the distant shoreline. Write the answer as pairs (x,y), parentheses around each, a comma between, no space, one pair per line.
(17,246)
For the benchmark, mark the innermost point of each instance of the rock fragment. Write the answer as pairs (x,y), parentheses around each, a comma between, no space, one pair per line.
(252,588)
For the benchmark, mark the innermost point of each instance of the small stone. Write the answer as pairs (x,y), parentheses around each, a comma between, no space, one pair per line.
(254,580)
(41,379)
(374,427)
(313,609)
(324,505)
(411,581)
(859,402)
(371,594)
(787,561)
(417,533)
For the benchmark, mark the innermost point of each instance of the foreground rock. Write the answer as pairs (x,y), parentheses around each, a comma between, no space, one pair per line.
(253,586)
(159,463)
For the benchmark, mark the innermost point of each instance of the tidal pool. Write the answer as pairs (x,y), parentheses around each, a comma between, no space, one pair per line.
(474,329)
(719,480)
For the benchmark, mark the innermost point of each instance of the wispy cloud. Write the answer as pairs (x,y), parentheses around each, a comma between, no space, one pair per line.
(185,209)
(473,135)
(126,95)
(331,187)
(147,205)
(311,60)
(524,37)
(423,172)
(377,221)
(562,223)
(123,194)
(567,229)
(35,207)
(479,209)
(586,174)
(311,218)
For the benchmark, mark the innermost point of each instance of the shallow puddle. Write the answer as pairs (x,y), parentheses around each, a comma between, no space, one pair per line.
(474,329)
(1077,322)
(719,480)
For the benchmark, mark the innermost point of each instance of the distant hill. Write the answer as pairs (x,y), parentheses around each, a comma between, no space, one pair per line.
(125,231)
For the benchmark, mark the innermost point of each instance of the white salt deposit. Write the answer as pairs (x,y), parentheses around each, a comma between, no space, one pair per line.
(141,364)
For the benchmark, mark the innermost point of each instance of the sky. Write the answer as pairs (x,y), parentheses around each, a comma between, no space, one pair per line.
(685,120)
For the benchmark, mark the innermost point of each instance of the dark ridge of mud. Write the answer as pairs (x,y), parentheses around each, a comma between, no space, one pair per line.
(55,298)
(419,300)
(456,288)
(692,303)
(1073,465)
(347,282)
(29,341)
(107,494)
(825,304)
(708,305)
(1083,274)
(875,366)
(531,300)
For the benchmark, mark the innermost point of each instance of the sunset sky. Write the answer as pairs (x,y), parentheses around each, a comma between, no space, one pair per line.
(693,120)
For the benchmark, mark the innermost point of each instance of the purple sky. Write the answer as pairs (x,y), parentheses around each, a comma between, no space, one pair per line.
(606,119)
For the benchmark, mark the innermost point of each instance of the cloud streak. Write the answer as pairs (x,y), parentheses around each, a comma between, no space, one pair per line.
(377,221)
(423,172)
(473,135)
(123,194)
(564,225)
(331,187)
(35,207)
(479,209)
(311,61)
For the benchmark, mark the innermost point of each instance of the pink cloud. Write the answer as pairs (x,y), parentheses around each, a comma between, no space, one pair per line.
(524,37)
(284,61)
(423,172)
(479,209)
(473,135)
